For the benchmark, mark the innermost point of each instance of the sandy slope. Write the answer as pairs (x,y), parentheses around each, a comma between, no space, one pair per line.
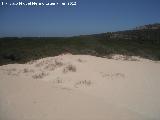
(80,87)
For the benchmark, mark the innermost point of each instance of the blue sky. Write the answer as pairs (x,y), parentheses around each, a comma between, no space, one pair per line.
(88,17)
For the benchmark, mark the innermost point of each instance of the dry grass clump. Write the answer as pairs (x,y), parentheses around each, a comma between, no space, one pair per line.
(126,57)
(134,59)
(40,64)
(50,67)
(110,56)
(53,66)
(12,71)
(43,62)
(130,58)
(25,70)
(31,62)
(80,60)
(58,81)
(69,68)
(113,75)
(58,63)
(40,75)
(84,82)
(120,75)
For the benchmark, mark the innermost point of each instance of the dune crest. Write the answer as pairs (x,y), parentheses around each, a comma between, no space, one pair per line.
(81,87)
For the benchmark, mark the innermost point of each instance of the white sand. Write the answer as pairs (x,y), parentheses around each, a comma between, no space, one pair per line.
(80,87)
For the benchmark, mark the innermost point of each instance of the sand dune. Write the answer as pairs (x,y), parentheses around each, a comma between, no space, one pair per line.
(80,87)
